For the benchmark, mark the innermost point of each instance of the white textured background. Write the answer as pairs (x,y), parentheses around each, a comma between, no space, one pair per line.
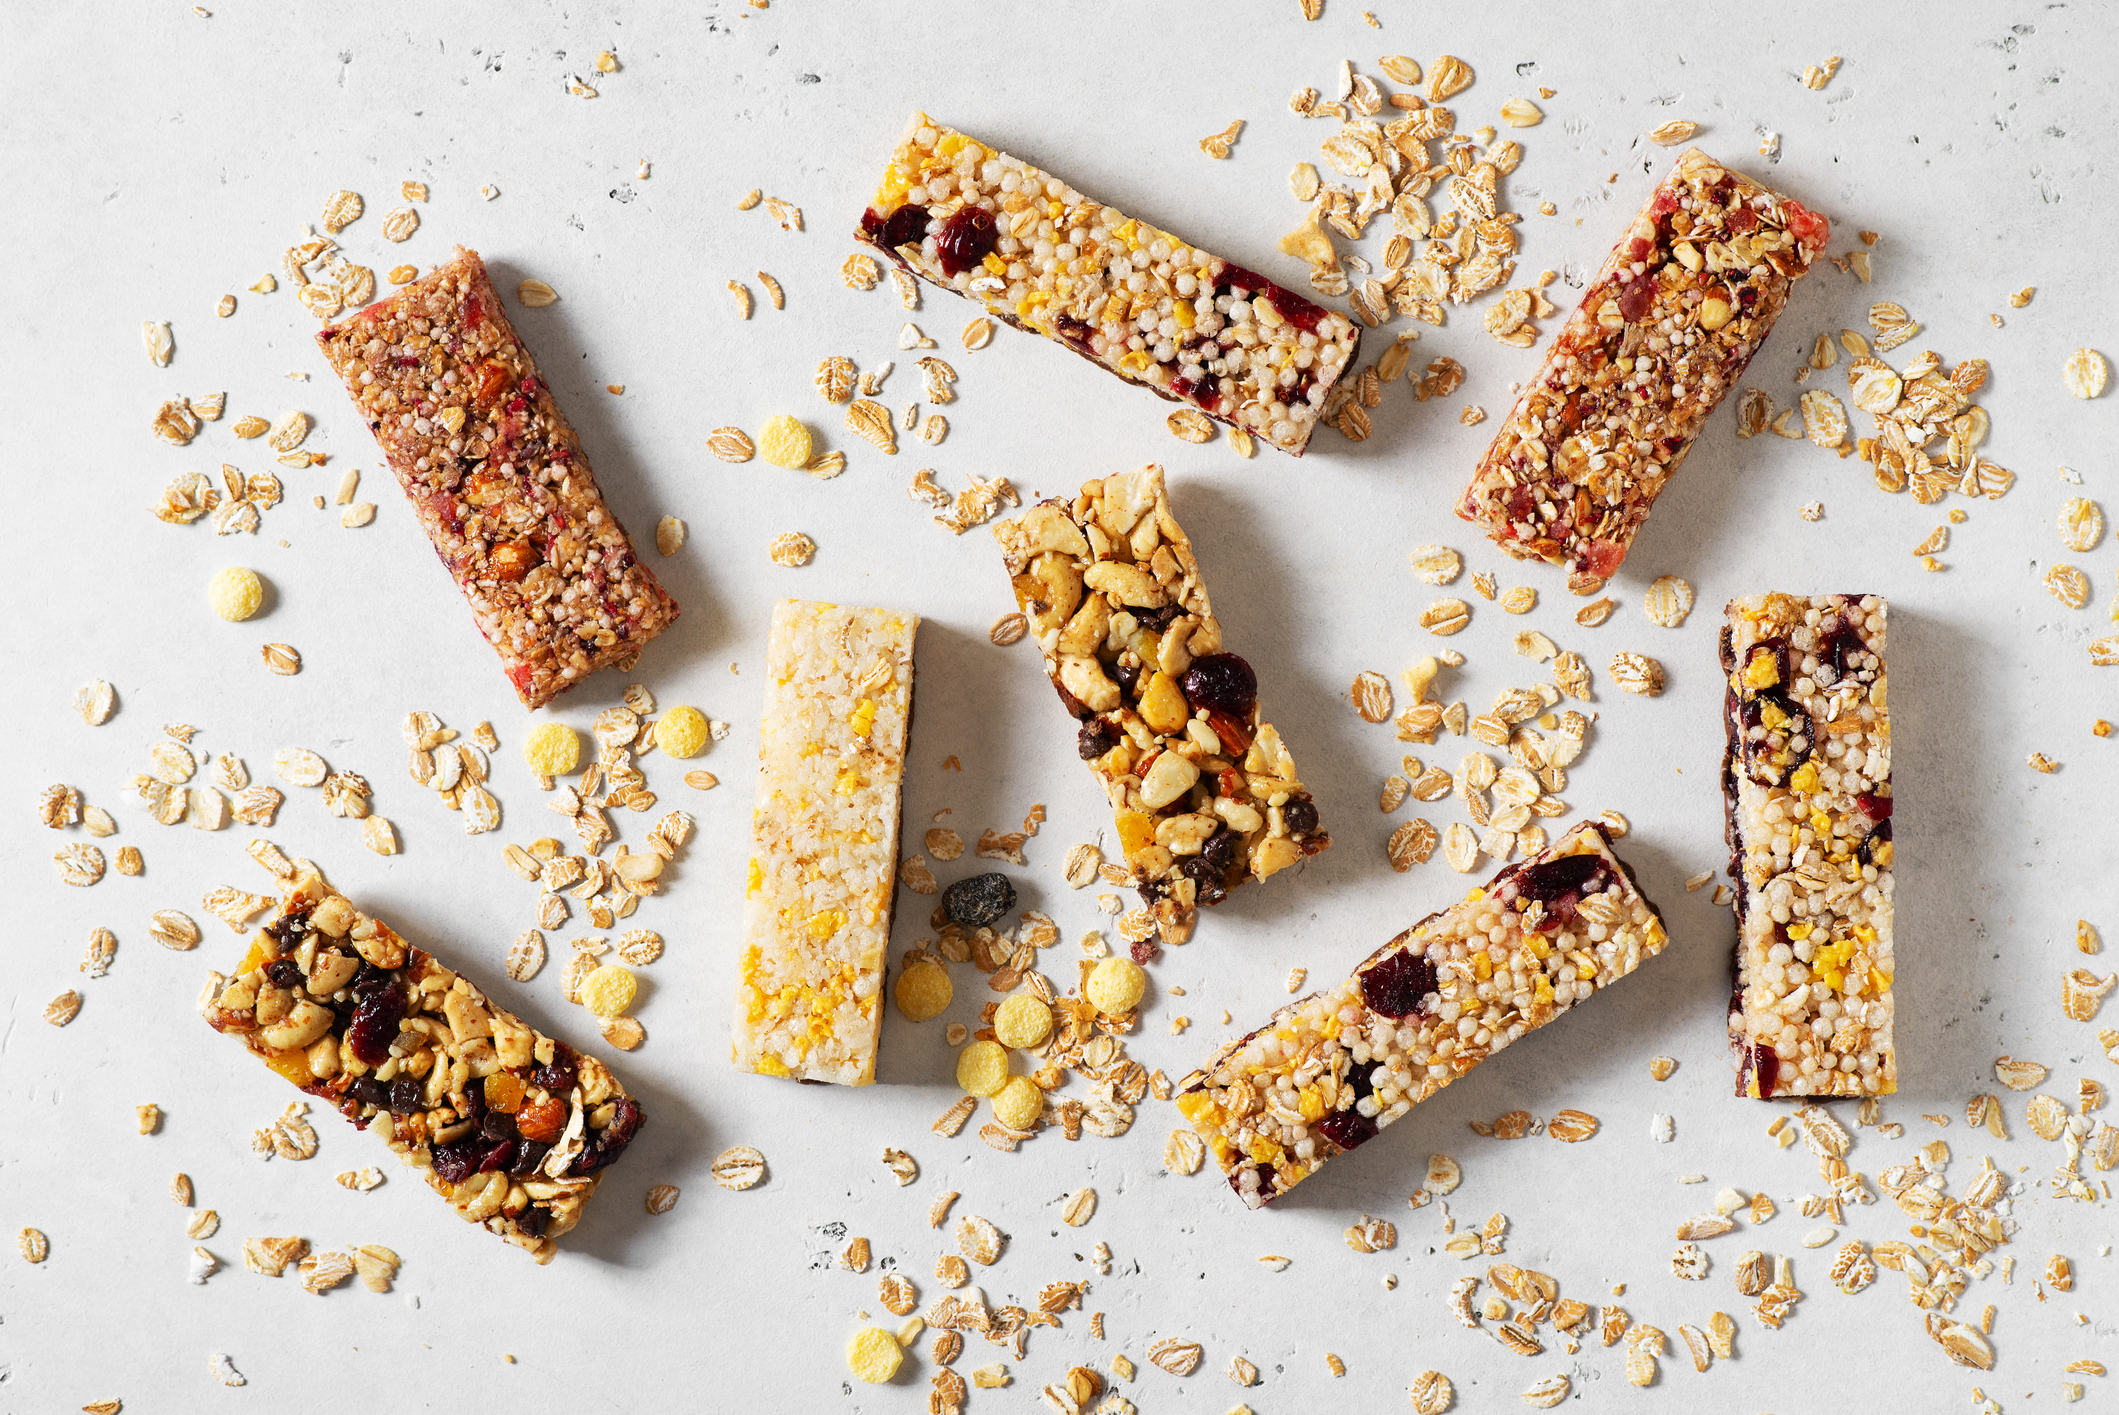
(155,160)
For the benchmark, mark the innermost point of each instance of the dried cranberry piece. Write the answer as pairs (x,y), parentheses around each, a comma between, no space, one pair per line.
(1394,987)
(1772,758)
(1097,737)
(605,1149)
(1742,219)
(375,1022)
(285,972)
(1074,331)
(1637,298)
(1348,1129)
(1549,879)
(1146,952)
(1301,815)
(1866,851)
(1876,808)
(904,227)
(1760,1071)
(1295,309)
(1221,682)
(407,1096)
(966,238)
(495,1156)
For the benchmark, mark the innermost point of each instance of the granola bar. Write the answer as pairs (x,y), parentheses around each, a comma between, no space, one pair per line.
(498,480)
(1195,328)
(1807,782)
(1205,792)
(1661,335)
(512,1127)
(816,916)
(1330,1070)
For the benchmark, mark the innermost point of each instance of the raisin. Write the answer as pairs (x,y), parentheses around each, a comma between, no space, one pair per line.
(1097,737)
(1394,986)
(1301,815)
(407,1096)
(285,972)
(369,1091)
(1221,682)
(454,1162)
(1209,886)
(529,1155)
(1222,850)
(497,1126)
(533,1220)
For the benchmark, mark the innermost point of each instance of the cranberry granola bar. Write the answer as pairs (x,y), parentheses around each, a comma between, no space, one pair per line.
(1205,792)
(498,479)
(513,1128)
(1137,301)
(1328,1071)
(1662,334)
(816,914)
(1807,782)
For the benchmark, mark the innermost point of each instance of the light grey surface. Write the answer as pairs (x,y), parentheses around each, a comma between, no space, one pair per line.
(158,160)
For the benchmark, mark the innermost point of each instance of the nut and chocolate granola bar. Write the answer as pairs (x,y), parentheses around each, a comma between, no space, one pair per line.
(1205,792)
(1195,328)
(1807,782)
(816,916)
(513,1128)
(498,480)
(1661,335)
(1328,1071)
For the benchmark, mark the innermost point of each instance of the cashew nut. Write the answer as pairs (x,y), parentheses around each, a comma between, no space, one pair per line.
(299,1028)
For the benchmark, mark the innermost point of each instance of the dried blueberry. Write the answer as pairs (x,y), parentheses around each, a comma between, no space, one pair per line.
(285,972)
(973,903)
(369,1091)
(1222,850)
(375,1023)
(406,1096)
(1097,737)
(1393,988)
(1301,815)
(1348,1129)
(1222,682)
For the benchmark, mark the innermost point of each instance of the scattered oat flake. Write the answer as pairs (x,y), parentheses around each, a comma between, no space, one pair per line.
(1219,144)
(1673,132)
(742,297)
(739,1167)
(2068,585)
(2086,373)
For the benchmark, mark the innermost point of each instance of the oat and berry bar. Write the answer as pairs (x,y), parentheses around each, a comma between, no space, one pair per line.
(1195,328)
(1662,334)
(1807,782)
(1330,1070)
(512,1127)
(498,480)
(831,768)
(1205,792)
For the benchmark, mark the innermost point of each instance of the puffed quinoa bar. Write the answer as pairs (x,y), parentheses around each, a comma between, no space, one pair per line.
(1661,335)
(498,480)
(513,1128)
(1149,307)
(1204,790)
(816,914)
(1331,1069)
(1807,782)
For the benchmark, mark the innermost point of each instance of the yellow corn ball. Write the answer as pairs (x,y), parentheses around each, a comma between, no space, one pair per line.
(784,442)
(982,1068)
(874,1355)
(682,732)
(608,991)
(236,593)
(1116,986)
(1019,1103)
(924,990)
(552,749)
(1024,1020)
